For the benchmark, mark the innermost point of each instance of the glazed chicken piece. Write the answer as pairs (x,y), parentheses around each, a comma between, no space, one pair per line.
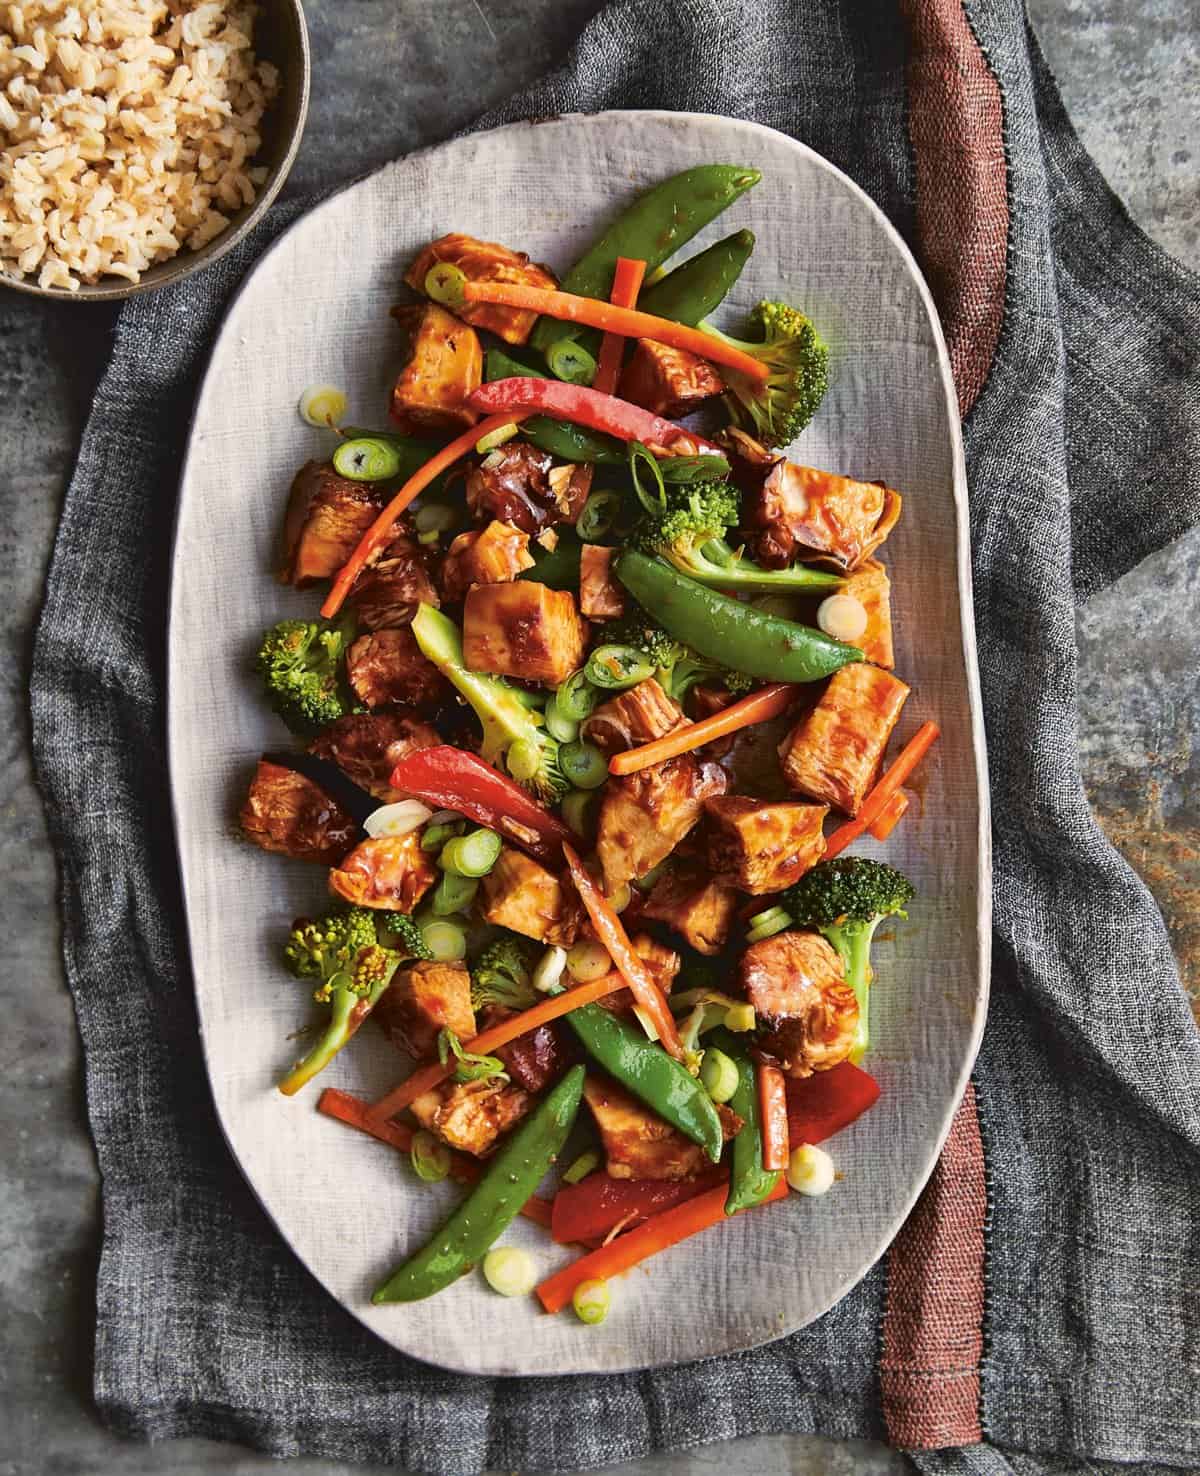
(387,669)
(797,985)
(422,999)
(644,816)
(492,555)
(668,381)
(638,1144)
(696,905)
(472,1115)
(798,512)
(536,1058)
(286,812)
(388,871)
(662,964)
(760,846)
(327,516)
(367,746)
(870,585)
(600,596)
(521,485)
(387,594)
(485,261)
(833,752)
(444,366)
(636,716)
(521,895)
(524,630)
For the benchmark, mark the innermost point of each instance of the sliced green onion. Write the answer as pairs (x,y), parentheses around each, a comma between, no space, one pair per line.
(367,459)
(740,1018)
(599,513)
(496,438)
(591,1302)
(585,1164)
(617,667)
(472,855)
(322,405)
(524,759)
(569,361)
(583,764)
(767,924)
(578,810)
(643,462)
(430,1157)
(445,938)
(434,517)
(565,729)
(510,1271)
(471,1067)
(446,284)
(549,969)
(436,835)
(576,697)
(453,893)
(397,819)
(719,1075)
(588,960)
(810,1170)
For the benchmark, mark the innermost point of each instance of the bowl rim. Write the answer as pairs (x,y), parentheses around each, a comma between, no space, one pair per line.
(184,263)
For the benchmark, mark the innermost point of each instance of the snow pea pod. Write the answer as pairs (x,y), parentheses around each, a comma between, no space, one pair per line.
(749,1182)
(736,635)
(556,568)
(701,284)
(556,437)
(511,1177)
(653,228)
(644,1068)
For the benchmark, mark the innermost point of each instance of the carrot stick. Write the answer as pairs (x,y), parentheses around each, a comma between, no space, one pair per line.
(890,816)
(428,1077)
(355,1113)
(873,806)
(630,965)
(766,703)
(377,534)
(772,1110)
(627,283)
(628,322)
(653,1235)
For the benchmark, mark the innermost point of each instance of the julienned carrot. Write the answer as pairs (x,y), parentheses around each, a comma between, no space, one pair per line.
(627,283)
(628,322)
(773,1117)
(625,957)
(766,703)
(356,1113)
(890,816)
(631,1249)
(873,806)
(377,534)
(428,1077)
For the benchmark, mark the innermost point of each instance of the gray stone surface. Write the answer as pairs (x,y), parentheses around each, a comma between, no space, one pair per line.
(392,77)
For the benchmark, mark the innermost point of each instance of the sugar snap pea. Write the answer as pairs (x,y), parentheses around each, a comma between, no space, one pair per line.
(749,1182)
(511,1177)
(651,229)
(725,630)
(699,286)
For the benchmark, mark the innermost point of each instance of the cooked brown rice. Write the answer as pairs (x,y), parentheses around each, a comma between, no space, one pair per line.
(128,129)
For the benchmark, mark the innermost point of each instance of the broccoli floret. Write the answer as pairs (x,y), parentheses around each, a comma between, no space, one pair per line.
(402,934)
(637,629)
(690,534)
(677,667)
(344,954)
(302,663)
(779,407)
(513,730)
(846,899)
(503,974)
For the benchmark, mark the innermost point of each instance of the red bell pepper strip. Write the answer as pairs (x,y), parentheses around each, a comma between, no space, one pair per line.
(626,959)
(510,398)
(587,1211)
(627,283)
(590,311)
(453,779)
(654,1235)
(381,529)
(773,1117)
(823,1104)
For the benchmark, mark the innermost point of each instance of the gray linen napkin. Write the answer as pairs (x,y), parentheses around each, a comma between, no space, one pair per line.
(1039,1312)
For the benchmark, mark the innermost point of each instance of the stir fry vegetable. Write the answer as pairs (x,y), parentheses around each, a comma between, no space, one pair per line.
(591,409)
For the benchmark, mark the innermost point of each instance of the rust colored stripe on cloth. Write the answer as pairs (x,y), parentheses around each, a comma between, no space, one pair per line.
(956,124)
(929,1371)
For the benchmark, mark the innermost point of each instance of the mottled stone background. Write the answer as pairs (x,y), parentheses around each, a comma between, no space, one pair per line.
(388,77)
